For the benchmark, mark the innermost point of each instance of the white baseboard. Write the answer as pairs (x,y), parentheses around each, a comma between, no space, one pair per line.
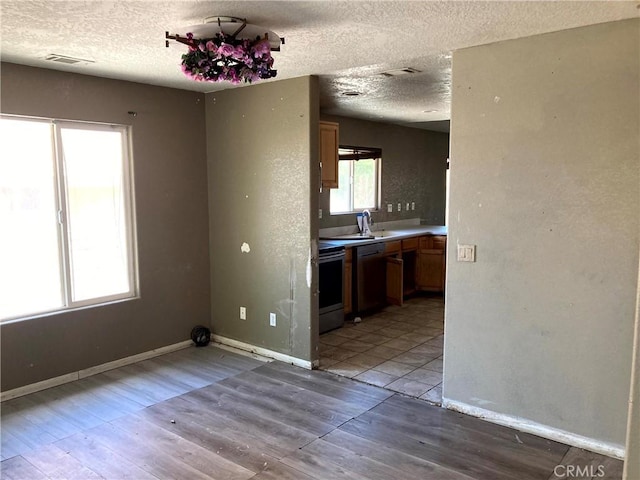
(545,431)
(239,351)
(87,372)
(36,387)
(264,352)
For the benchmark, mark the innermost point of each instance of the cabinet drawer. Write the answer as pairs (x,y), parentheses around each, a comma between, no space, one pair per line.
(410,244)
(392,247)
(439,242)
(433,242)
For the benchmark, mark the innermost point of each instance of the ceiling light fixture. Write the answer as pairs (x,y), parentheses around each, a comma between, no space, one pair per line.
(227,49)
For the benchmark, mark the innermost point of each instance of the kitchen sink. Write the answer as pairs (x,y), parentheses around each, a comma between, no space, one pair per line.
(357,236)
(383,234)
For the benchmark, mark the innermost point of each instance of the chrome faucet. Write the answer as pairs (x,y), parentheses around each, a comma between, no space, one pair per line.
(366,223)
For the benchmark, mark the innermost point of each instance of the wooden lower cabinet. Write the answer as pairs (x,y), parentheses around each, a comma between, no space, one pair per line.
(395,289)
(348,281)
(430,263)
(413,264)
(409,255)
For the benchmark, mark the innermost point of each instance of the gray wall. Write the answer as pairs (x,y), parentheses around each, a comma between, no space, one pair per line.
(545,181)
(169,157)
(262,142)
(414,163)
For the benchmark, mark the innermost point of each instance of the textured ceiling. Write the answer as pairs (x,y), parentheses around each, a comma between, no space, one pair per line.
(347,44)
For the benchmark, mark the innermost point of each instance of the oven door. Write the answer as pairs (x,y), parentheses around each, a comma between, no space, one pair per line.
(331,273)
(331,276)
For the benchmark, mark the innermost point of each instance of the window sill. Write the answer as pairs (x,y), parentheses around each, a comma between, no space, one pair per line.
(355,212)
(51,313)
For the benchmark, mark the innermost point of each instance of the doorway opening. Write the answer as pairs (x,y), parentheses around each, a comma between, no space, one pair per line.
(399,348)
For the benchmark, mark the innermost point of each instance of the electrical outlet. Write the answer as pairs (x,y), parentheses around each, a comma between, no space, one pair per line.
(399,207)
(407,209)
(243,313)
(390,207)
(272,319)
(413,205)
(319,213)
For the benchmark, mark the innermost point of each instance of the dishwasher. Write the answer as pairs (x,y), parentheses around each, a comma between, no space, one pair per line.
(370,279)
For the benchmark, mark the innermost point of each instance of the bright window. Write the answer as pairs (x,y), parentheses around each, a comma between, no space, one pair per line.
(358,180)
(65,210)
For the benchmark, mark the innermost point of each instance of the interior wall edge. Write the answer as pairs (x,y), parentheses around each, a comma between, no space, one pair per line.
(534,428)
(632,453)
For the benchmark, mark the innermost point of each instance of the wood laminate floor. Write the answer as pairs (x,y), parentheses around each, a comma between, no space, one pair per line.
(205,413)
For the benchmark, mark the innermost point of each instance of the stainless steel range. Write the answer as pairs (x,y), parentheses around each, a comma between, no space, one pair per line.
(331,285)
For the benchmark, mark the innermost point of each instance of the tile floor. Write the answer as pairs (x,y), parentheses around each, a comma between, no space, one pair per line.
(399,348)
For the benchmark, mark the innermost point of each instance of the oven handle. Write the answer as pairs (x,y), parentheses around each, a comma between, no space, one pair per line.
(330,256)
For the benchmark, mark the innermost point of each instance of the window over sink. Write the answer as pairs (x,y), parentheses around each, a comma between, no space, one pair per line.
(358,179)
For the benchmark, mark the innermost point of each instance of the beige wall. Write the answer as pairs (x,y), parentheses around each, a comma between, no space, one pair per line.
(262,157)
(545,181)
(169,157)
(414,165)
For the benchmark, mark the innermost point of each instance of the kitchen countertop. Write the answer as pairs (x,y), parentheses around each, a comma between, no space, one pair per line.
(354,240)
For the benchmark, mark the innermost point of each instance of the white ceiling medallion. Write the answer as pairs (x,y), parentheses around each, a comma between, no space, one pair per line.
(233,26)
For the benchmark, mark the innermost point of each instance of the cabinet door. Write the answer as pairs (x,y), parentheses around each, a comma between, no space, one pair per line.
(430,269)
(395,292)
(329,154)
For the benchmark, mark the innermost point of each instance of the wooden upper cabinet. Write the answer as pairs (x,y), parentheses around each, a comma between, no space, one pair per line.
(329,135)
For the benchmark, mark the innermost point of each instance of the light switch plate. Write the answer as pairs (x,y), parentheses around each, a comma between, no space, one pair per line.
(272,319)
(466,253)
(319,213)
(413,205)
(243,313)
(390,207)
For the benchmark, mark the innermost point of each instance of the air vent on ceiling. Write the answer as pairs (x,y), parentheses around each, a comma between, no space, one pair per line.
(54,57)
(400,71)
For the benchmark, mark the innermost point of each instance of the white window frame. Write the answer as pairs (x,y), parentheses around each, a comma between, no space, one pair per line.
(60,192)
(378,187)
